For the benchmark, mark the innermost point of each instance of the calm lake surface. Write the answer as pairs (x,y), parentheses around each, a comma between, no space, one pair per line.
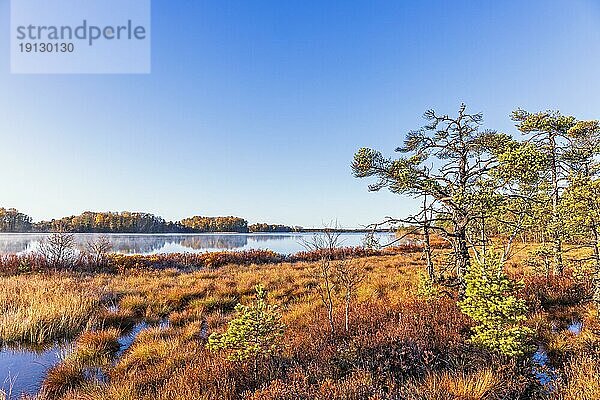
(22,369)
(283,243)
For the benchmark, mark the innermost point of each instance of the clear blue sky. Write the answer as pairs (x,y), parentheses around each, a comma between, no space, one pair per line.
(255,108)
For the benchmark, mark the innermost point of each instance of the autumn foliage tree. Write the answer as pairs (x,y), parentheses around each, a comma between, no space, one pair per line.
(216,224)
(107,222)
(11,220)
(275,228)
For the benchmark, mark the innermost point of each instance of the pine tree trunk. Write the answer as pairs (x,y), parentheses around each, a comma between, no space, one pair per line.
(596,278)
(430,269)
(462,257)
(556,237)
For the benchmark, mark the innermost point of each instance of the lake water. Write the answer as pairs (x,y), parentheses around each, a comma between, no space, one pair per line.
(283,243)
(23,369)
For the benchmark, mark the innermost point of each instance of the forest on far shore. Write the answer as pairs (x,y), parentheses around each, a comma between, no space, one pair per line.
(13,221)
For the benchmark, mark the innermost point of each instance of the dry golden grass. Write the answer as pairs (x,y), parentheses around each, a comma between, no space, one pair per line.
(480,385)
(168,293)
(62,378)
(552,328)
(95,348)
(39,309)
(173,363)
(581,381)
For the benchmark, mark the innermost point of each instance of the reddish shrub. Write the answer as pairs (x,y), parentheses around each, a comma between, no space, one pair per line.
(391,343)
(543,292)
(25,263)
(12,264)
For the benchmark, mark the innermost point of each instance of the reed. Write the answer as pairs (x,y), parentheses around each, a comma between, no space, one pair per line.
(39,309)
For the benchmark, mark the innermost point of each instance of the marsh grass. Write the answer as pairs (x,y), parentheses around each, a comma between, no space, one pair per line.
(399,343)
(92,352)
(581,379)
(216,303)
(39,309)
(95,348)
(62,378)
(121,319)
(173,363)
(480,385)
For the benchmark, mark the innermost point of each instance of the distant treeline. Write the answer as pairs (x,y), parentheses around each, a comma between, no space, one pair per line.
(272,228)
(11,220)
(215,224)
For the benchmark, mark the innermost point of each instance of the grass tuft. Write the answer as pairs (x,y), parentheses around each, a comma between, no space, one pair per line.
(41,309)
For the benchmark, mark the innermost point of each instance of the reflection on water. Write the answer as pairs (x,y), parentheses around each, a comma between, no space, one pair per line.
(575,327)
(215,242)
(542,370)
(180,243)
(12,244)
(22,369)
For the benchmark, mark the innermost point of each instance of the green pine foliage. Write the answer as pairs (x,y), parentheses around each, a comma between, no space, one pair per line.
(427,289)
(490,300)
(254,333)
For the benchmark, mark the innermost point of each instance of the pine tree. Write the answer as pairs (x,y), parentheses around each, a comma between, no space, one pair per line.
(451,164)
(254,334)
(490,301)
